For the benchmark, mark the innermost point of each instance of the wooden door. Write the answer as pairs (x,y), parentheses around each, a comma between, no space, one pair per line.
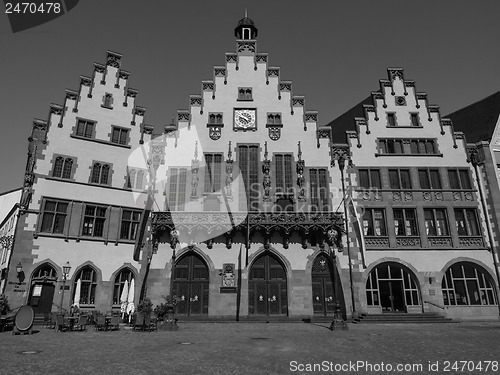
(267,287)
(191,286)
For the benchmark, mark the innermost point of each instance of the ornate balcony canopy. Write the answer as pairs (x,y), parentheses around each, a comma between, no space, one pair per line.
(216,223)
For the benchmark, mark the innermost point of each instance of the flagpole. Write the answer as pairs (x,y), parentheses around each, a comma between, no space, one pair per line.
(238,290)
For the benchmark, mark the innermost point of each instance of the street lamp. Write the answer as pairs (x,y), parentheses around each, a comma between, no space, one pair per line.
(338,321)
(66,269)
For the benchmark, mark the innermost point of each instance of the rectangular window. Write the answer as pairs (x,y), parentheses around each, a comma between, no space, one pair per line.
(429,179)
(93,221)
(248,161)
(405,222)
(466,220)
(177,189)
(283,170)
(130,224)
(374,222)
(85,128)
(54,216)
(416,146)
(414,119)
(119,135)
(399,178)
(213,172)
(436,222)
(391,119)
(459,179)
(245,93)
(370,178)
(319,189)
(215,118)
(274,118)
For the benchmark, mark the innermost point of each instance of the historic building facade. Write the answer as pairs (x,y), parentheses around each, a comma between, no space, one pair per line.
(9,208)
(238,207)
(77,201)
(249,222)
(426,245)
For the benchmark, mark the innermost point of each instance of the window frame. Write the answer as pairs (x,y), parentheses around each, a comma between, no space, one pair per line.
(133,224)
(319,189)
(463,182)
(125,274)
(177,190)
(435,222)
(91,281)
(89,230)
(213,172)
(86,133)
(121,140)
(274,118)
(55,214)
(404,219)
(481,282)
(245,94)
(429,176)
(467,222)
(370,173)
(372,220)
(398,172)
(104,170)
(286,176)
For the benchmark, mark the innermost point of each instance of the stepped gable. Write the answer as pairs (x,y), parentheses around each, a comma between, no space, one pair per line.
(246,45)
(393,92)
(479,119)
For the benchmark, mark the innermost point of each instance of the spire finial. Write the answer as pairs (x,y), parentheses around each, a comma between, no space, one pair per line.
(246,15)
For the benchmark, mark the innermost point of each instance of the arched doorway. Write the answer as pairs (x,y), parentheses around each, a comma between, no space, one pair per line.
(322,286)
(267,289)
(191,285)
(42,290)
(393,287)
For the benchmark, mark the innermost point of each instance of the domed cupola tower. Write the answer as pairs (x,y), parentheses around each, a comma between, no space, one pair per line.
(246,29)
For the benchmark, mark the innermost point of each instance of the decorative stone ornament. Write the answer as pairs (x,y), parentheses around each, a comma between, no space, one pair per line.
(274,132)
(266,182)
(215,132)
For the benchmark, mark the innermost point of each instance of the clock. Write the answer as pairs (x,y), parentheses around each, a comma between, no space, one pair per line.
(245,119)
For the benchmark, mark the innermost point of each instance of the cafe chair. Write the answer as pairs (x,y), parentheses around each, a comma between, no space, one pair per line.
(81,324)
(100,324)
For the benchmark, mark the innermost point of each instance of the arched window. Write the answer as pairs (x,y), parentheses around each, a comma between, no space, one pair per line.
(105,174)
(58,167)
(100,174)
(96,173)
(68,166)
(125,274)
(45,271)
(140,179)
(466,283)
(88,277)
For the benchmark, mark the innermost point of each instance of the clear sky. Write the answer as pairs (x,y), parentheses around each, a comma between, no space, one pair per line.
(335,52)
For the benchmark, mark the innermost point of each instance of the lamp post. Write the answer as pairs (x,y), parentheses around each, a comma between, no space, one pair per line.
(66,269)
(338,321)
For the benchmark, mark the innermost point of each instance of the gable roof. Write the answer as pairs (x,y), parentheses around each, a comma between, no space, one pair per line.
(346,121)
(478,120)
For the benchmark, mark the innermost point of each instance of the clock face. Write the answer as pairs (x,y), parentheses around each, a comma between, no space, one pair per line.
(244,118)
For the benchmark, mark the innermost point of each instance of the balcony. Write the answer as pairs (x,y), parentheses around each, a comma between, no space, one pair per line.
(202,226)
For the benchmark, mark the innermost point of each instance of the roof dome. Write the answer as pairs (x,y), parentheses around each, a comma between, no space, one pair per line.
(245,23)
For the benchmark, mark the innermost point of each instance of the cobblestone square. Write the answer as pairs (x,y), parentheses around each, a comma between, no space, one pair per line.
(257,348)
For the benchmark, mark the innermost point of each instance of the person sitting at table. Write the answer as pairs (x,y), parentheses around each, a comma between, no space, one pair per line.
(74,310)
